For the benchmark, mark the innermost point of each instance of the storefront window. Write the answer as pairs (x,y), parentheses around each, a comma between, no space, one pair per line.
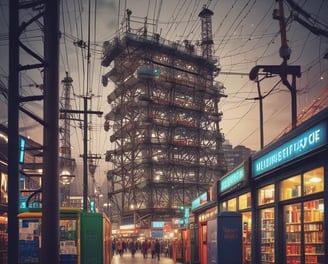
(3,237)
(313,211)
(245,201)
(232,204)
(267,235)
(304,235)
(314,181)
(224,206)
(266,194)
(247,237)
(290,188)
(4,188)
(292,219)
(314,245)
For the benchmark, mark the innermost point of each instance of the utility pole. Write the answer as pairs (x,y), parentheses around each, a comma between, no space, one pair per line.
(260,97)
(284,53)
(284,50)
(85,113)
(282,70)
(85,156)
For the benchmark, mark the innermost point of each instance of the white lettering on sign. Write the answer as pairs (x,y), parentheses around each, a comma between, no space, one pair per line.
(296,147)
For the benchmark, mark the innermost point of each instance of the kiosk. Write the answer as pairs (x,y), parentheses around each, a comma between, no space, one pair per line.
(84,237)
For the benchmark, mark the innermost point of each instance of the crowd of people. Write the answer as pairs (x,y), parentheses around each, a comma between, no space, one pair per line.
(147,247)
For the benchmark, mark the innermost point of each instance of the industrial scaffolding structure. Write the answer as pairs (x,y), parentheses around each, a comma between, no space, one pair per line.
(67,164)
(165,121)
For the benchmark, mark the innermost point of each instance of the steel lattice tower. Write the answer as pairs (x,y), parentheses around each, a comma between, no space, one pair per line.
(165,122)
(66,163)
(207,38)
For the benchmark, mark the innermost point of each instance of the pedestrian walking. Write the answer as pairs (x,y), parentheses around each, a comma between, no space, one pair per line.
(175,249)
(157,249)
(120,247)
(152,249)
(144,248)
(133,247)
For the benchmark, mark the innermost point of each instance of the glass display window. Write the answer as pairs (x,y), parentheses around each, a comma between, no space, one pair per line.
(3,234)
(290,188)
(232,204)
(244,201)
(314,181)
(224,206)
(304,233)
(4,188)
(266,195)
(267,235)
(293,232)
(247,237)
(313,210)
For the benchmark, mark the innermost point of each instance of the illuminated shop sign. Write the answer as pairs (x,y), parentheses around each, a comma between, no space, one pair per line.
(157,224)
(203,198)
(128,231)
(21,150)
(232,179)
(311,139)
(157,234)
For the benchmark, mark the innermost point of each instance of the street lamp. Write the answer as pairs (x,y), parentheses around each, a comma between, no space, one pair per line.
(107,205)
(66,177)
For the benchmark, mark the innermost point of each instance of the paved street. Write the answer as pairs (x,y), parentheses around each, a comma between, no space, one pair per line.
(138,259)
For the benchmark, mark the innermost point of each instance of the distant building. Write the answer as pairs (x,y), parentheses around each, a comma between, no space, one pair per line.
(235,155)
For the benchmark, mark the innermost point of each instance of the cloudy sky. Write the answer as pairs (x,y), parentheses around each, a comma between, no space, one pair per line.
(244,33)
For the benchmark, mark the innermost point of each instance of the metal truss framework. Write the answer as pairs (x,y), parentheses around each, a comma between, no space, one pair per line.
(43,16)
(165,119)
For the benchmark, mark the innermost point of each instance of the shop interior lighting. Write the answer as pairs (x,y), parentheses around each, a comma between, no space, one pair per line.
(315,180)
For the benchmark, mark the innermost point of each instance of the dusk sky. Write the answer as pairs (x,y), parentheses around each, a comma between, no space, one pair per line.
(244,34)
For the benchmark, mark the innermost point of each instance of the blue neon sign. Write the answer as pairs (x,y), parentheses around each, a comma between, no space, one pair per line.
(21,150)
(311,139)
(232,179)
(203,198)
(157,224)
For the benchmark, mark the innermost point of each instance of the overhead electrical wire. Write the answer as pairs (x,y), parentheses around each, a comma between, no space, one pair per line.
(234,52)
(173,18)
(223,20)
(238,23)
(251,37)
(191,21)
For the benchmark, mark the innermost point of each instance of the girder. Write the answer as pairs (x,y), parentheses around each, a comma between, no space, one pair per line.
(165,119)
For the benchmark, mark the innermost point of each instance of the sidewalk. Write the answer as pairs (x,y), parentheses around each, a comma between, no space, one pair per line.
(139,259)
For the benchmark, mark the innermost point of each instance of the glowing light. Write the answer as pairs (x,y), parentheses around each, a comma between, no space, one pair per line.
(315,180)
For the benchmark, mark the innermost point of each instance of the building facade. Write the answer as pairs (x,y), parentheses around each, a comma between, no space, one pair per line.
(281,192)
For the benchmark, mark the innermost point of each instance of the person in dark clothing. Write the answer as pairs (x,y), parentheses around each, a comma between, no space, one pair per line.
(144,248)
(120,247)
(133,247)
(157,248)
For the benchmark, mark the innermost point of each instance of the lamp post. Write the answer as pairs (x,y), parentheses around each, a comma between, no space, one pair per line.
(107,205)
(66,177)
